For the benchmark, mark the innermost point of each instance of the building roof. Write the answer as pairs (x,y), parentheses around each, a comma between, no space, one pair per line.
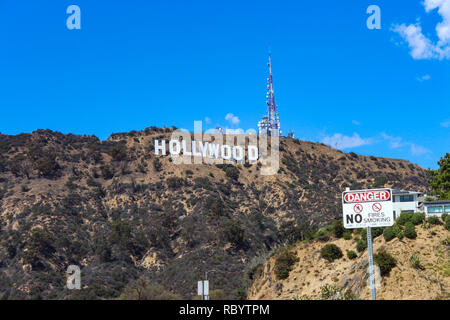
(436,202)
(398,191)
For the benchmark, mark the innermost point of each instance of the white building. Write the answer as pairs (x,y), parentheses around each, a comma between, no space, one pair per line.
(407,201)
(437,208)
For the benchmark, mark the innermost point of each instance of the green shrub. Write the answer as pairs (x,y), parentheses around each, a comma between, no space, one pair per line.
(380,182)
(444,217)
(175,182)
(157,164)
(233,233)
(361,245)
(232,172)
(331,252)
(385,261)
(351,254)
(376,232)
(284,262)
(347,235)
(434,220)
(404,218)
(389,233)
(447,224)
(417,218)
(398,231)
(338,228)
(47,165)
(107,173)
(328,291)
(410,231)
(118,152)
(414,262)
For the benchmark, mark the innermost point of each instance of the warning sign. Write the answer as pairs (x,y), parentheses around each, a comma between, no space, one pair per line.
(367,208)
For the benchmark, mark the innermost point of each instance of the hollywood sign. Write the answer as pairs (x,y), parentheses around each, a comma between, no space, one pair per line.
(206,150)
(213,147)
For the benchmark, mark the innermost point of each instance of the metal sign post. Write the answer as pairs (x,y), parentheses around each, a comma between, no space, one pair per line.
(371,271)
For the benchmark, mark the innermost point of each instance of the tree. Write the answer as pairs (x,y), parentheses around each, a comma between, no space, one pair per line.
(331,252)
(338,228)
(440,178)
(385,261)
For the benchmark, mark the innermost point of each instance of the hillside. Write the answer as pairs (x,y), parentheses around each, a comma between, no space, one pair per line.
(428,279)
(124,215)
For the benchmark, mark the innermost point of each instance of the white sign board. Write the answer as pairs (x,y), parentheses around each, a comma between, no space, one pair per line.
(367,208)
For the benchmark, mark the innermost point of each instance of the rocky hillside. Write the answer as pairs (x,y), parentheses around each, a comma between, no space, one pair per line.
(126,216)
(421,270)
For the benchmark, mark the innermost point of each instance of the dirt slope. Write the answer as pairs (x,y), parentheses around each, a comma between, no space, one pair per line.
(404,282)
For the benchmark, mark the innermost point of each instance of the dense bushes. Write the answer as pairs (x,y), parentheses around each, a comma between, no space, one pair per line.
(47,166)
(351,254)
(410,231)
(388,233)
(157,165)
(417,218)
(434,220)
(107,172)
(338,228)
(380,182)
(284,262)
(361,245)
(118,152)
(175,182)
(446,219)
(385,261)
(232,172)
(233,233)
(331,252)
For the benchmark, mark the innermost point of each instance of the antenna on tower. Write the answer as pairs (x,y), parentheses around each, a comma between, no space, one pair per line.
(270,124)
(273,116)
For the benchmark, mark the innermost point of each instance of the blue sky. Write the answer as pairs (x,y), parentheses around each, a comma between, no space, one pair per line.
(142,63)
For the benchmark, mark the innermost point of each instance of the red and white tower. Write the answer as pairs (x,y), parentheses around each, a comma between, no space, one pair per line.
(270,124)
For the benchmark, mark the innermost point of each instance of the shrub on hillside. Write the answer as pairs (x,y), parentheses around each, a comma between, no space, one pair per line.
(338,228)
(47,166)
(347,235)
(107,172)
(376,232)
(417,218)
(351,254)
(389,233)
(331,252)
(410,231)
(404,218)
(414,261)
(434,220)
(118,152)
(234,233)
(284,262)
(175,182)
(398,231)
(157,164)
(385,262)
(232,172)
(380,182)
(361,245)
